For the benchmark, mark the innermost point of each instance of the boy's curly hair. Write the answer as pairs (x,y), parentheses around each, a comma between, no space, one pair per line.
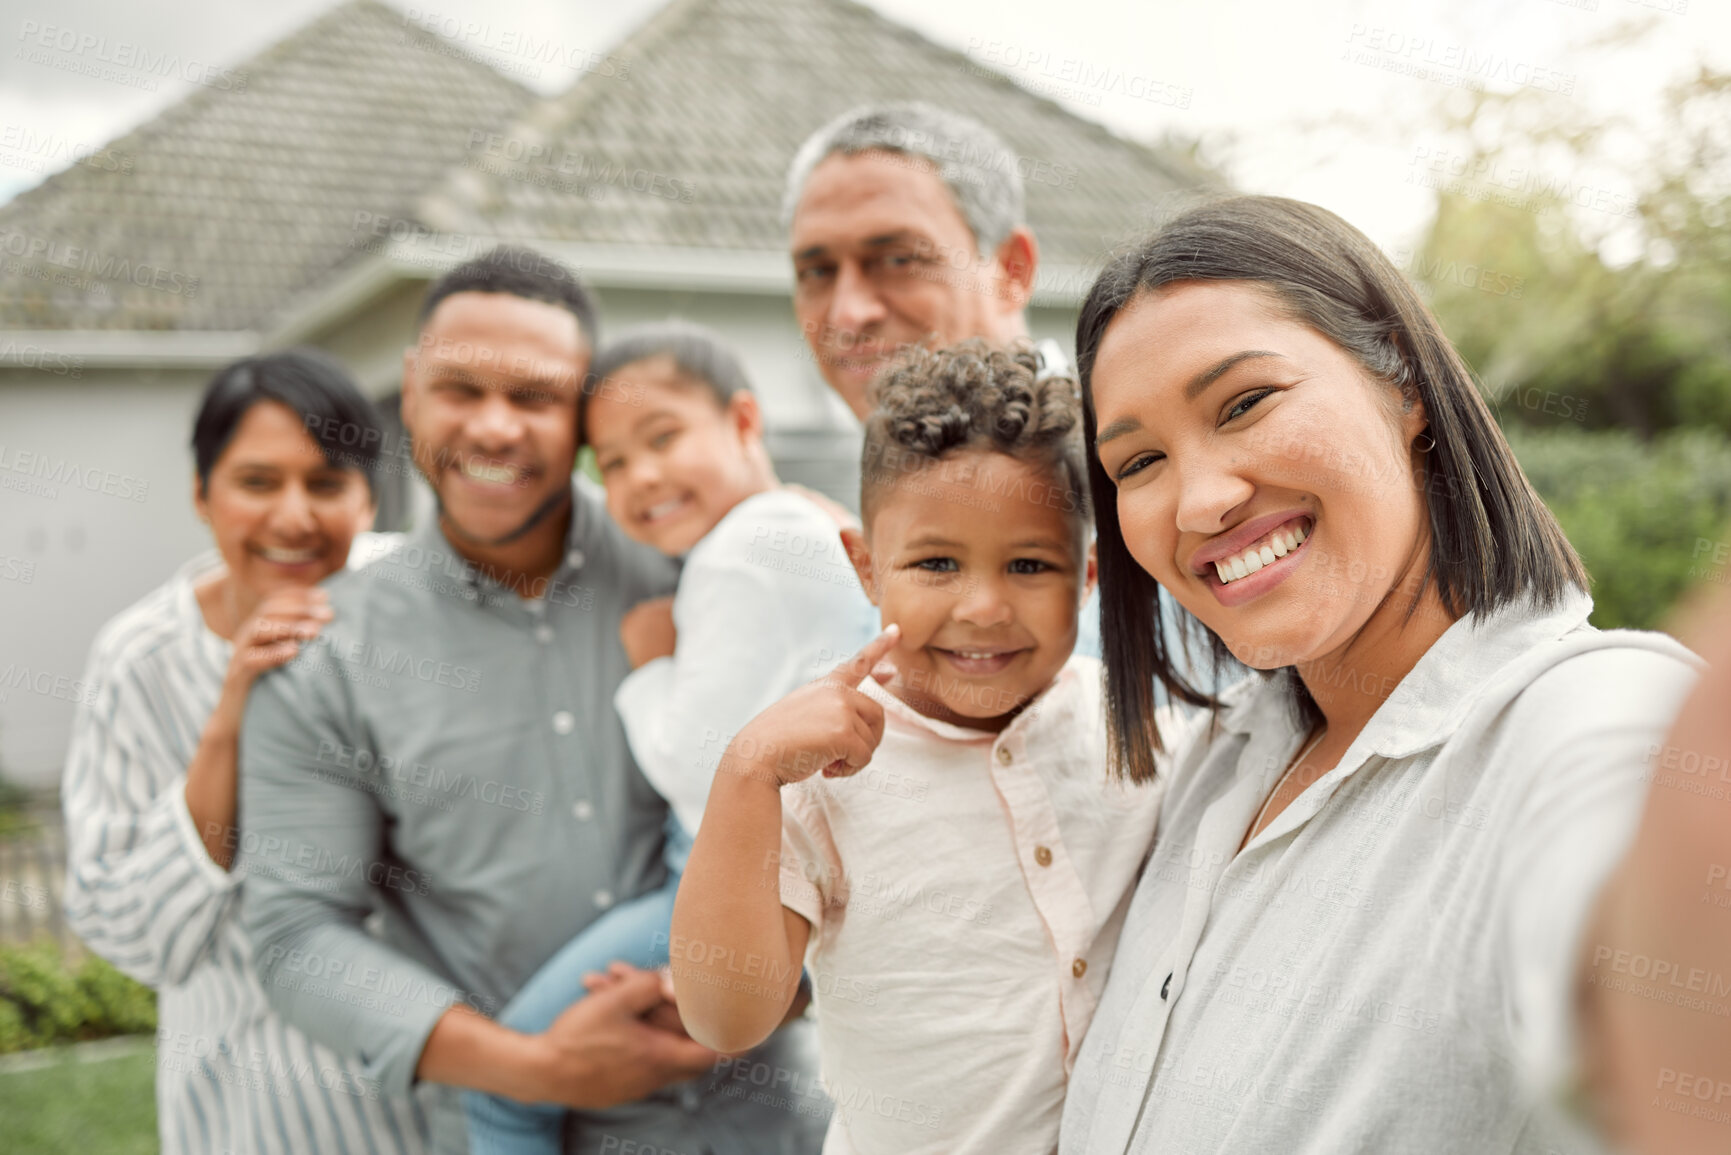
(930,403)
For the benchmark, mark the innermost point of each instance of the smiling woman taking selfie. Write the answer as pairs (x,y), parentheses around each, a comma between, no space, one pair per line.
(151,777)
(1371,917)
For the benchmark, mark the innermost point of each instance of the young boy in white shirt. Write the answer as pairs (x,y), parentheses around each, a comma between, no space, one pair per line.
(766,601)
(956,875)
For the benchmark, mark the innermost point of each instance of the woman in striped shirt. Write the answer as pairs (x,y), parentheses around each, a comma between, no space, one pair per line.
(285,447)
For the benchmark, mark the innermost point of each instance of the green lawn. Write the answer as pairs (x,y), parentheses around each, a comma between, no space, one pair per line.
(103,1107)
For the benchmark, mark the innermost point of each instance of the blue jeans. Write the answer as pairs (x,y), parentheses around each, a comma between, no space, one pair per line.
(635,932)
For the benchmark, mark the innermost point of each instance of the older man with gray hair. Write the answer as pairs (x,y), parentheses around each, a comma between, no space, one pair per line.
(905,224)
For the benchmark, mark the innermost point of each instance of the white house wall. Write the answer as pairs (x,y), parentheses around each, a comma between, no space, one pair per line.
(95,511)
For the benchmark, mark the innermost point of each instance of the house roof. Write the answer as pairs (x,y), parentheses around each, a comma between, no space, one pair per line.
(360,139)
(246,194)
(682,138)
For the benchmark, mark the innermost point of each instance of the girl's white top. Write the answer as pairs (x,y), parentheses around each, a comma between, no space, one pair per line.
(767,601)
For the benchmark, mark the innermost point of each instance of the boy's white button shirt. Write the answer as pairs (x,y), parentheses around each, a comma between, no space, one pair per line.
(965,892)
(767,601)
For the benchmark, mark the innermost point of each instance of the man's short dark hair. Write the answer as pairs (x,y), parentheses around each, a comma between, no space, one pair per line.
(521,273)
(311,382)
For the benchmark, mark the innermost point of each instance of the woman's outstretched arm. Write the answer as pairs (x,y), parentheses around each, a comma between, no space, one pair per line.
(1659,1052)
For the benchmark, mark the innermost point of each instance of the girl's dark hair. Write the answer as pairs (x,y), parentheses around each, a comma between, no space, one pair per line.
(930,403)
(699,353)
(1492,539)
(313,384)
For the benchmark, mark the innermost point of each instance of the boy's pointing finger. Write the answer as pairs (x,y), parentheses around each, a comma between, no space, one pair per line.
(856,668)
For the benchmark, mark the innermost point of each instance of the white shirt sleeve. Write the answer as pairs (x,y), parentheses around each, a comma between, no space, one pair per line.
(1586,733)
(141,890)
(750,631)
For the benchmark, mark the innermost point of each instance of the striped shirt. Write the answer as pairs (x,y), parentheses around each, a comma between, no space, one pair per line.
(143,892)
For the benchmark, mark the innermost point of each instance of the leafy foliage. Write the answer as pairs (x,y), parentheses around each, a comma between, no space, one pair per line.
(1584,271)
(43,1000)
(1648,519)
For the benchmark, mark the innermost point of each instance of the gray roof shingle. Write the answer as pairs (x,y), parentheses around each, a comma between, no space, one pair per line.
(690,146)
(242,204)
(239,200)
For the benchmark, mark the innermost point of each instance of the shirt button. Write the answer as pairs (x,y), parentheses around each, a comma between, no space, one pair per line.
(1004,755)
(583,809)
(574,559)
(1079,967)
(1043,855)
(604,899)
(543,633)
(563,722)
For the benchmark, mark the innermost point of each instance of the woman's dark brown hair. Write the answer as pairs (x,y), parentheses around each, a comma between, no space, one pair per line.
(1492,539)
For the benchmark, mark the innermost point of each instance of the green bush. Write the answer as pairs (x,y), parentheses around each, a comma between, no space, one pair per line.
(1645,517)
(43,1001)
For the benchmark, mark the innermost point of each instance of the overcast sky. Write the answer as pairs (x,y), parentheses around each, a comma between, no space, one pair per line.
(1280,90)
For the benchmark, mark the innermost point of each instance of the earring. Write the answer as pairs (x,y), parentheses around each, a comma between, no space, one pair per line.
(1429,437)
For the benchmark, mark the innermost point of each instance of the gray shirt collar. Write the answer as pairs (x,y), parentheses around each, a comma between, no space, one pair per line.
(430,536)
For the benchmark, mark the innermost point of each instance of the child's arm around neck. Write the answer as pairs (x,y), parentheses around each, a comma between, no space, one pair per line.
(728,920)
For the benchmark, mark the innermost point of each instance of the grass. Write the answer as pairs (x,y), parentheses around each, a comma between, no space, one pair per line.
(101,1107)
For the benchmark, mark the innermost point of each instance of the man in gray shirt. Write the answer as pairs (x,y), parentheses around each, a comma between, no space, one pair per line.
(436,793)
